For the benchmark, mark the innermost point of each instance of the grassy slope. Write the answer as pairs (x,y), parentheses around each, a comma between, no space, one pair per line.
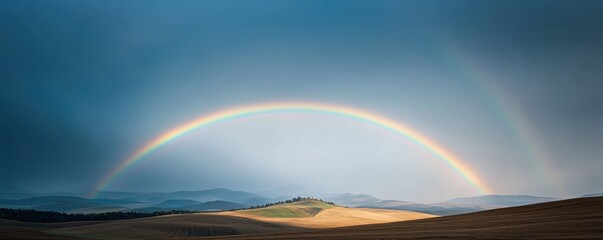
(300,209)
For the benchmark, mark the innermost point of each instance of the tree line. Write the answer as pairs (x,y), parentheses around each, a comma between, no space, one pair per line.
(296,199)
(29,215)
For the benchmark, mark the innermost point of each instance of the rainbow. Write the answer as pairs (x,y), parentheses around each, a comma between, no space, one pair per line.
(508,112)
(299,107)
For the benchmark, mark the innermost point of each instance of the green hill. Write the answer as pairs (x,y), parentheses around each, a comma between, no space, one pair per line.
(297,209)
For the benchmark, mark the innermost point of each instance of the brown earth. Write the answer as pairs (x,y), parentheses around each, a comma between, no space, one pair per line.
(169,226)
(10,229)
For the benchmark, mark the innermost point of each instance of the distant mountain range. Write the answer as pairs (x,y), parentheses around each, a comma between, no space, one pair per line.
(68,204)
(441,209)
(593,195)
(352,200)
(190,205)
(225,199)
(206,200)
(502,200)
(201,196)
(450,207)
(177,203)
(462,205)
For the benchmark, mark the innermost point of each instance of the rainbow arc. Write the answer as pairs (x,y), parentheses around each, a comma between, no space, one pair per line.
(414,136)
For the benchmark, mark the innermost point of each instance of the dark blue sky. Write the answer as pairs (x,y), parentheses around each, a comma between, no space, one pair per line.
(514,87)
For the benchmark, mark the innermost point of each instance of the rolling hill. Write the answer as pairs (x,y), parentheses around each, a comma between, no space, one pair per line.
(574,218)
(580,218)
(298,209)
(296,216)
(316,214)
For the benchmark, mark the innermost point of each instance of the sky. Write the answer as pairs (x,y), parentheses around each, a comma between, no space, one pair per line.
(513,88)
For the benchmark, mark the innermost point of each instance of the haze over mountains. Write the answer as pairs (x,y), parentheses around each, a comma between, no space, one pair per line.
(462,205)
(225,199)
(593,195)
(206,200)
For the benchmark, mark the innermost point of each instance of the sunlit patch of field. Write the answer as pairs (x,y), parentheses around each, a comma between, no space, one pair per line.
(336,217)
